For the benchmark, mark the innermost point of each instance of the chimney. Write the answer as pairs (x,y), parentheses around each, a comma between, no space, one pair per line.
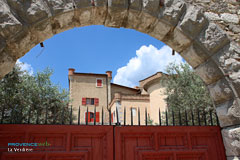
(71,71)
(109,74)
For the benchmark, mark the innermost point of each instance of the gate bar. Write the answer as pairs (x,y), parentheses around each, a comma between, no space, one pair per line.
(160,119)
(87,117)
(79,115)
(94,116)
(102,117)
(131,117)
(139,117)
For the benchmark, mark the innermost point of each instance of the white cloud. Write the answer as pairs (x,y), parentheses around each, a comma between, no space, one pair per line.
(25,67)
(148,61)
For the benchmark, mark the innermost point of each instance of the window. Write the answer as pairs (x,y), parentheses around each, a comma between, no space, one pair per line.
(134,111)
(90,116)
(90,101)
(99,82)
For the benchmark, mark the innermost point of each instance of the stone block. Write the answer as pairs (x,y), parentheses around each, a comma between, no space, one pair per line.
(177,40)
(160,30)
(100,3)
(151,7)
(231,140)
(212,16)
(235,79)
(99,15)
(139,17)
(89,12)
(117,13)
(21,44)
(135,5)
(195,55)
(118,4)
(172,11)
(220,91)
(9,24)
(2,43)
(209,72)
(6,63)
(228,113)
(234,28)
(60,6)
(92,15)
(63,22)
(30,11)
(193,21)
(228,59)
(41,31)
(230,18)
(147,23)
(213,38)
(82,3)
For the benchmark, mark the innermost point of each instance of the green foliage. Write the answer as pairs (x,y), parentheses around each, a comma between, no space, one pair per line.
(149,120)
(23,96)
(185,91)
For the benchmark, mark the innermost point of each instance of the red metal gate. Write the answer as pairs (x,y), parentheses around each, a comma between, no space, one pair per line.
(169,143)
(66,142)
(72,142)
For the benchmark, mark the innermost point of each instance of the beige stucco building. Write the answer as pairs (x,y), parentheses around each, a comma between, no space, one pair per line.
(150,99)
(95,91)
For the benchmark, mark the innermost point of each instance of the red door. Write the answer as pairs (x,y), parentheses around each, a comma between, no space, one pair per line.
(169,143)
(73,142)
(64,142)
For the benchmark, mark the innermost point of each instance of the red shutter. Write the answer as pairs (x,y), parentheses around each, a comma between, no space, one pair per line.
(96,101)
(112,117)
(89,119)
(99,82)
(84,101)
(97,116)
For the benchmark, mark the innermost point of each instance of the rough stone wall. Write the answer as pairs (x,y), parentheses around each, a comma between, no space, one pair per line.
(225,13)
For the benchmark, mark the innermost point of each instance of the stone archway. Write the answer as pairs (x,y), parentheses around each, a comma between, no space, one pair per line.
(179,23)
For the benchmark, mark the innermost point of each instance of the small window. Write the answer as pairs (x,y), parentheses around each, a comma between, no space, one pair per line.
(88,101)
(90,117)
(92,101)
(99,83)
(134,111)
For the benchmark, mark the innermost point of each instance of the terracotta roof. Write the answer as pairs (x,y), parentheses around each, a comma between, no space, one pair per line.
(89,74)
(124,87)
(152,76)
(130,97)
(145,83)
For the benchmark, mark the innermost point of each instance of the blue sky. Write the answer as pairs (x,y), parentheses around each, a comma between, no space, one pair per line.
(129,54)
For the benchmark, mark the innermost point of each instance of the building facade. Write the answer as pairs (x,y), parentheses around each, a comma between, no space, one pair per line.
(94,93)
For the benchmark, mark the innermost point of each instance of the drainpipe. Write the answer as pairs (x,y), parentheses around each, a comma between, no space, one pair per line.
(108,81)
